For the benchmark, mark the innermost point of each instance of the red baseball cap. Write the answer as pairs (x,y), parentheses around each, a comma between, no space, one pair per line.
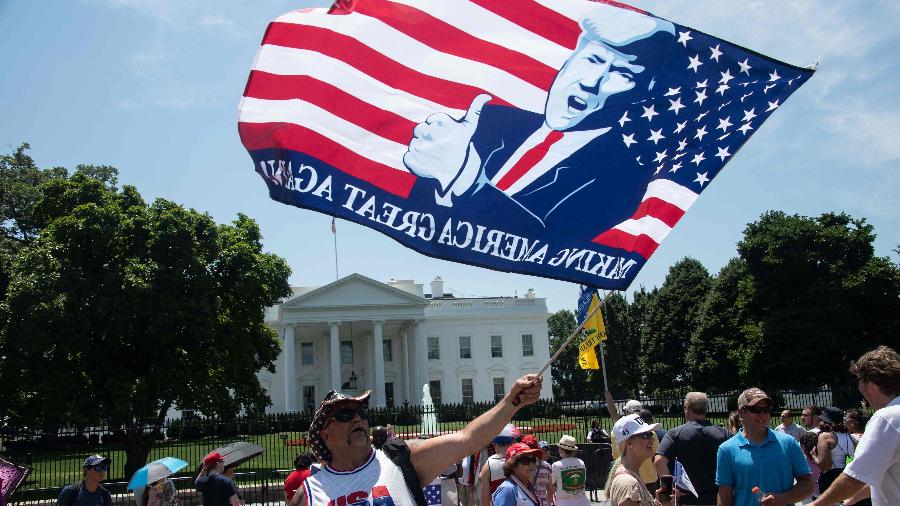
(530,440)
(212,459)
(517,449)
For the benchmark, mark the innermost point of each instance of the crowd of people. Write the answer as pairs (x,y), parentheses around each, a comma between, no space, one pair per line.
(832,457)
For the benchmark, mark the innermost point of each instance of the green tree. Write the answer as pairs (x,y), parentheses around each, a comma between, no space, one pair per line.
(818,297)
(623,348)
(713,353)
(671,318)
(568,378)
(118,310)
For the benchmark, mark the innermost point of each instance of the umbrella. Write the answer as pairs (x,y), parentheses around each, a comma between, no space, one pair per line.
(11,476)
(155,471)
(238,453)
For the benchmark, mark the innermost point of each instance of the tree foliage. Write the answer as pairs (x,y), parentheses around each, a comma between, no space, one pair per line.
(672,316)
(567,376)
(117,310)
(817,296)
(623,326)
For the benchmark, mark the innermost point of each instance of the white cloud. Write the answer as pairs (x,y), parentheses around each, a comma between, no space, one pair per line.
(160,9)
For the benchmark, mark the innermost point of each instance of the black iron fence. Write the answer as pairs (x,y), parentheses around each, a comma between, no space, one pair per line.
(56,458)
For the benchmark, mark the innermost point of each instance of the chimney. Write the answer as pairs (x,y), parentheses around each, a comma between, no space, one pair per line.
(530,294)
(437,288)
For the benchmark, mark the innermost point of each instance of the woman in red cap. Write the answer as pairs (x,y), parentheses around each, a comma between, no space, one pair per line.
(518,489)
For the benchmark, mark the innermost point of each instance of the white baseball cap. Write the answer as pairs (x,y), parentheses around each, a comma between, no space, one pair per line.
(631,425)
(633,406)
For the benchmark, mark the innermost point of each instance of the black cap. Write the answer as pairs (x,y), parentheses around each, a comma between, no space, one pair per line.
(832,415)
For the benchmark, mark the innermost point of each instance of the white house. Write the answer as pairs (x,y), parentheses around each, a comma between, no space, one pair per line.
(357,334)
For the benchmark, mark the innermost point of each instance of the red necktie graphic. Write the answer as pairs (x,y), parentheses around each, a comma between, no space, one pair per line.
(528,160)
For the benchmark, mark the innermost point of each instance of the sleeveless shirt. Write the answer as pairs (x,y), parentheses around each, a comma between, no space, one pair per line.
(378,482)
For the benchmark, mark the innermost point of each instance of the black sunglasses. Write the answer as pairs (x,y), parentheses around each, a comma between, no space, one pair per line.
(100,468)
(527,460)
(645,435)
(345,415)
(758,409)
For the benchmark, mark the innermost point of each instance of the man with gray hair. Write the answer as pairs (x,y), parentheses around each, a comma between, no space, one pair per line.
(511,161)
(694,444)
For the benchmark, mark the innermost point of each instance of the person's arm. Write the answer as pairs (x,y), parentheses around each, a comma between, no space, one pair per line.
(725,496)
(433,455)
(864,493)
(299,498)
(822,456)
(842,488)
(484,477)
(661,463)
(611,406)
(551,492)
(803,488)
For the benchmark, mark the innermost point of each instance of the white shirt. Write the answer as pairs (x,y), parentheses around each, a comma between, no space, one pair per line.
(793,430)
(569,476)
(877,458)
(378,479)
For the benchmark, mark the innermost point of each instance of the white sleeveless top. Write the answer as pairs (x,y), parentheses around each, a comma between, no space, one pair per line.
(495,466)
(378,482)
(840,451)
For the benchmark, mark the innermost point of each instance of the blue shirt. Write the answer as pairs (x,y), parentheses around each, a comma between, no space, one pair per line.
(216,489)
(771,465)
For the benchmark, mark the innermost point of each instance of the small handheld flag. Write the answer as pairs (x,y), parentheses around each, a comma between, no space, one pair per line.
(592,317)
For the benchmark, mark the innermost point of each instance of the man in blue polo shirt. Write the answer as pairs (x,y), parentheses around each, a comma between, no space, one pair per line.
(759,465)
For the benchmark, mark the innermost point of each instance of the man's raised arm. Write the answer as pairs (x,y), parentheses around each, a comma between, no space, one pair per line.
(431,456)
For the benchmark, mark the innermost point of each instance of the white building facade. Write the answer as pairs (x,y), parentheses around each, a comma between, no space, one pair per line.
(357,334)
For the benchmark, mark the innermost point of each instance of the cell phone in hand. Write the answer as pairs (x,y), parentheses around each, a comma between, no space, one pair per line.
(666,483)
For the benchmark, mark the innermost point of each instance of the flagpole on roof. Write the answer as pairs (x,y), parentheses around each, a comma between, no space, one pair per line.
(334,233)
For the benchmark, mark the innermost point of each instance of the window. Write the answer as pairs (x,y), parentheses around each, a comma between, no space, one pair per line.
(309,398)
(499,389)
(347,352)
(496,346)
(465,347)
(306,354)
(527,345)
(389,394)
(434,348)
(388,350)
(435,387)
(468,392)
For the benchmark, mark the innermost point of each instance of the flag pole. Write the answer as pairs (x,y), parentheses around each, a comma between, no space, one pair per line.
(334,233)
(572,336)
(603,366)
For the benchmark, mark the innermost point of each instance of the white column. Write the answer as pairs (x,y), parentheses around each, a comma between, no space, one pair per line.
(404,349)
(290,369)
(335,356)
(378,353)
(421,361)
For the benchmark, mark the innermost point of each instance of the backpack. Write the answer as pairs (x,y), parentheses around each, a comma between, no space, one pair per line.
(398,451)
(77,489)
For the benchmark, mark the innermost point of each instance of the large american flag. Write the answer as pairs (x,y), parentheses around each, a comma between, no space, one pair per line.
(346,86)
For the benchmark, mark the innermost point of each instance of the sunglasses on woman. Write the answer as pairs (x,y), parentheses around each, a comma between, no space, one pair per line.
(100,468)
(345,415)
(527,460)
(758,409)
(644,435)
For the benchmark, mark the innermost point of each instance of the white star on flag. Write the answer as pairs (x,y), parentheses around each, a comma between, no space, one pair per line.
(624,119)
(724,123)
(698,158)
(649,112)
(684,37)
(700,132)
(701,96)
(676,105)
(723,153)
(772,106)
(749,115)
(675,167)
(745,128)
(680,126)
(702,84)
(660,156)
(745,67)
(726,76)
(628,140)
(774,76)
(701,178)
(715,53)
(672,92)
(656,136)
(695,63)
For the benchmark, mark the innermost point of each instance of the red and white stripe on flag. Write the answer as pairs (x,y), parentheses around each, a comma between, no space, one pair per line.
(348,85)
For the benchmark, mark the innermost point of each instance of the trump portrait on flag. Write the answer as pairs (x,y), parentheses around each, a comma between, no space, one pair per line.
(551,167)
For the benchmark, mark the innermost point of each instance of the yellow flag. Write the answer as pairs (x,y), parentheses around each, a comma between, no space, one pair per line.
(596,322)
(587,354)
(588,359)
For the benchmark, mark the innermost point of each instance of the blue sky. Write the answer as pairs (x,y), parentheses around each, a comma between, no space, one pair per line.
(152,87)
